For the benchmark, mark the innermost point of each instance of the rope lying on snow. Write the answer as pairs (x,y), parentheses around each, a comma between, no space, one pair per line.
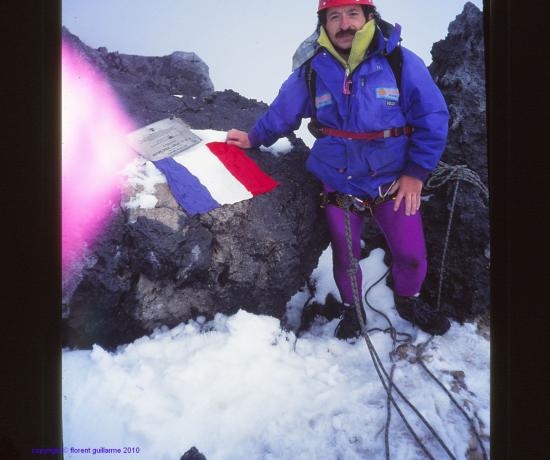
(441,175)
(378,365)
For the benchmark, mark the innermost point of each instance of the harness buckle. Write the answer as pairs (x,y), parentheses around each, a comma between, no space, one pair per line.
(350,201)
(359,204)
(344,201)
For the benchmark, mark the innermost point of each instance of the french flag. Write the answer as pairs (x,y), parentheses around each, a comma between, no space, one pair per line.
(209,175)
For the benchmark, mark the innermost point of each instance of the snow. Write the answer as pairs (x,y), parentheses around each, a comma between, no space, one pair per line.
(280,147)
(241,387)
(143,176)
(303,133)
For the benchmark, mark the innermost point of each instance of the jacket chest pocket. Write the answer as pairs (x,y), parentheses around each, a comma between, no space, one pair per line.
(378,106)
(386,99)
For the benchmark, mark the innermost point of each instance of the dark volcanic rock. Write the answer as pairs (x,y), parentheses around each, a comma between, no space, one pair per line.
(98,306)
(159,266)
(178,73)
(193,454)
(458,68)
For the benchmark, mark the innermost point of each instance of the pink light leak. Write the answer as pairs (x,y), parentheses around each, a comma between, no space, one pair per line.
(94,153)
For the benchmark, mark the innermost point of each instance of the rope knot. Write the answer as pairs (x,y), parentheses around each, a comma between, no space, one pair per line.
(444,172)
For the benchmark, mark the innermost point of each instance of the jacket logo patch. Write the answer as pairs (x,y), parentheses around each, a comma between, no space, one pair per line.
(323,100)
(389,94)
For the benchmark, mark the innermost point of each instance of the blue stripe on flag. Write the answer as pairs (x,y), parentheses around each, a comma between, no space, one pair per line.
(186,188)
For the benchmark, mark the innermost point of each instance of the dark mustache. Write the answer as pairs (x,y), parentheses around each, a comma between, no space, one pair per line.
(345,33)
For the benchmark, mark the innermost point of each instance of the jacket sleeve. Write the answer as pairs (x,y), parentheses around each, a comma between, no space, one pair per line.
(285,113)
(426,111)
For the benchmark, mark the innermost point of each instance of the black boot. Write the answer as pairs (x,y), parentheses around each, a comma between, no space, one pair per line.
(418,312)
(330,310)
(349,326)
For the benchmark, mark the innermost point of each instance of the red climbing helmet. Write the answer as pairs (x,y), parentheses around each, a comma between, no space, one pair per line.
(324,4)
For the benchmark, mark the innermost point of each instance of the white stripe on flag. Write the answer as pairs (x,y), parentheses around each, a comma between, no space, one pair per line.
(212,173)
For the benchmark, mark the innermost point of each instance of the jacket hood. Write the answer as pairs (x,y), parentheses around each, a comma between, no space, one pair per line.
(386,37)
(389,36)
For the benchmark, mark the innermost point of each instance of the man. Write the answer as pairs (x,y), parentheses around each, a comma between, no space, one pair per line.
(351,92)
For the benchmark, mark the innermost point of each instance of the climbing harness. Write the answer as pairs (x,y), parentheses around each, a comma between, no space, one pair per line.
(318,131)
(356,204)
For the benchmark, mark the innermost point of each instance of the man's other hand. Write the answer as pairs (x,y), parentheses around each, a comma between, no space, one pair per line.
(238,138)
(409,188)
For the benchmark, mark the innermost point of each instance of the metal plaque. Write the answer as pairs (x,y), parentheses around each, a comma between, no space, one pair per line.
(162,139)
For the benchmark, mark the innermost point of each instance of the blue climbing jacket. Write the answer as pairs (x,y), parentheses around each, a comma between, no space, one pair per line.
(359,167)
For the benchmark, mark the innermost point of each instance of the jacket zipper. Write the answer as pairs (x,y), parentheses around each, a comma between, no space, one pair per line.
(347,86)
(346,90)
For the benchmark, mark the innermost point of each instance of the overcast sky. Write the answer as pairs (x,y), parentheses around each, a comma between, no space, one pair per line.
(247,44)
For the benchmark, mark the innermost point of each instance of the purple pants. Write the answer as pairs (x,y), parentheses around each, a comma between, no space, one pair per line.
(404,235)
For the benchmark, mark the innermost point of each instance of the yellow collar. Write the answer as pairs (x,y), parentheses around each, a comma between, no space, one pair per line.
(361,42)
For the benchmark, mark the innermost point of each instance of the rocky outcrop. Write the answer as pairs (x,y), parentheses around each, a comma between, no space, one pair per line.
(193,454)
(160,266)
(178,73)
(458,68)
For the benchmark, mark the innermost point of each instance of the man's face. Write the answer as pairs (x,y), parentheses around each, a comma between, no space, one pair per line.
(342,23)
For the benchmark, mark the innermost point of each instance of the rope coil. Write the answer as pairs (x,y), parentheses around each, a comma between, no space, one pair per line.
(442,174)
(445,172)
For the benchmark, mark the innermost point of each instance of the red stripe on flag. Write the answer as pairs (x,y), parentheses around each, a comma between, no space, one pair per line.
(243,168)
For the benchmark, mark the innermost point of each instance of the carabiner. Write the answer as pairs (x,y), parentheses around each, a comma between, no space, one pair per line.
(359,204)
(385,194)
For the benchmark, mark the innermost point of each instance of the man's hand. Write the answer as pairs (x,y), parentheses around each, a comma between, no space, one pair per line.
(409,188)
(238,138)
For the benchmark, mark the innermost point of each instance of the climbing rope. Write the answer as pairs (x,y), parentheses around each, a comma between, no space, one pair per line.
(442,174)
(378,365)
(420,359)
(445,172)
